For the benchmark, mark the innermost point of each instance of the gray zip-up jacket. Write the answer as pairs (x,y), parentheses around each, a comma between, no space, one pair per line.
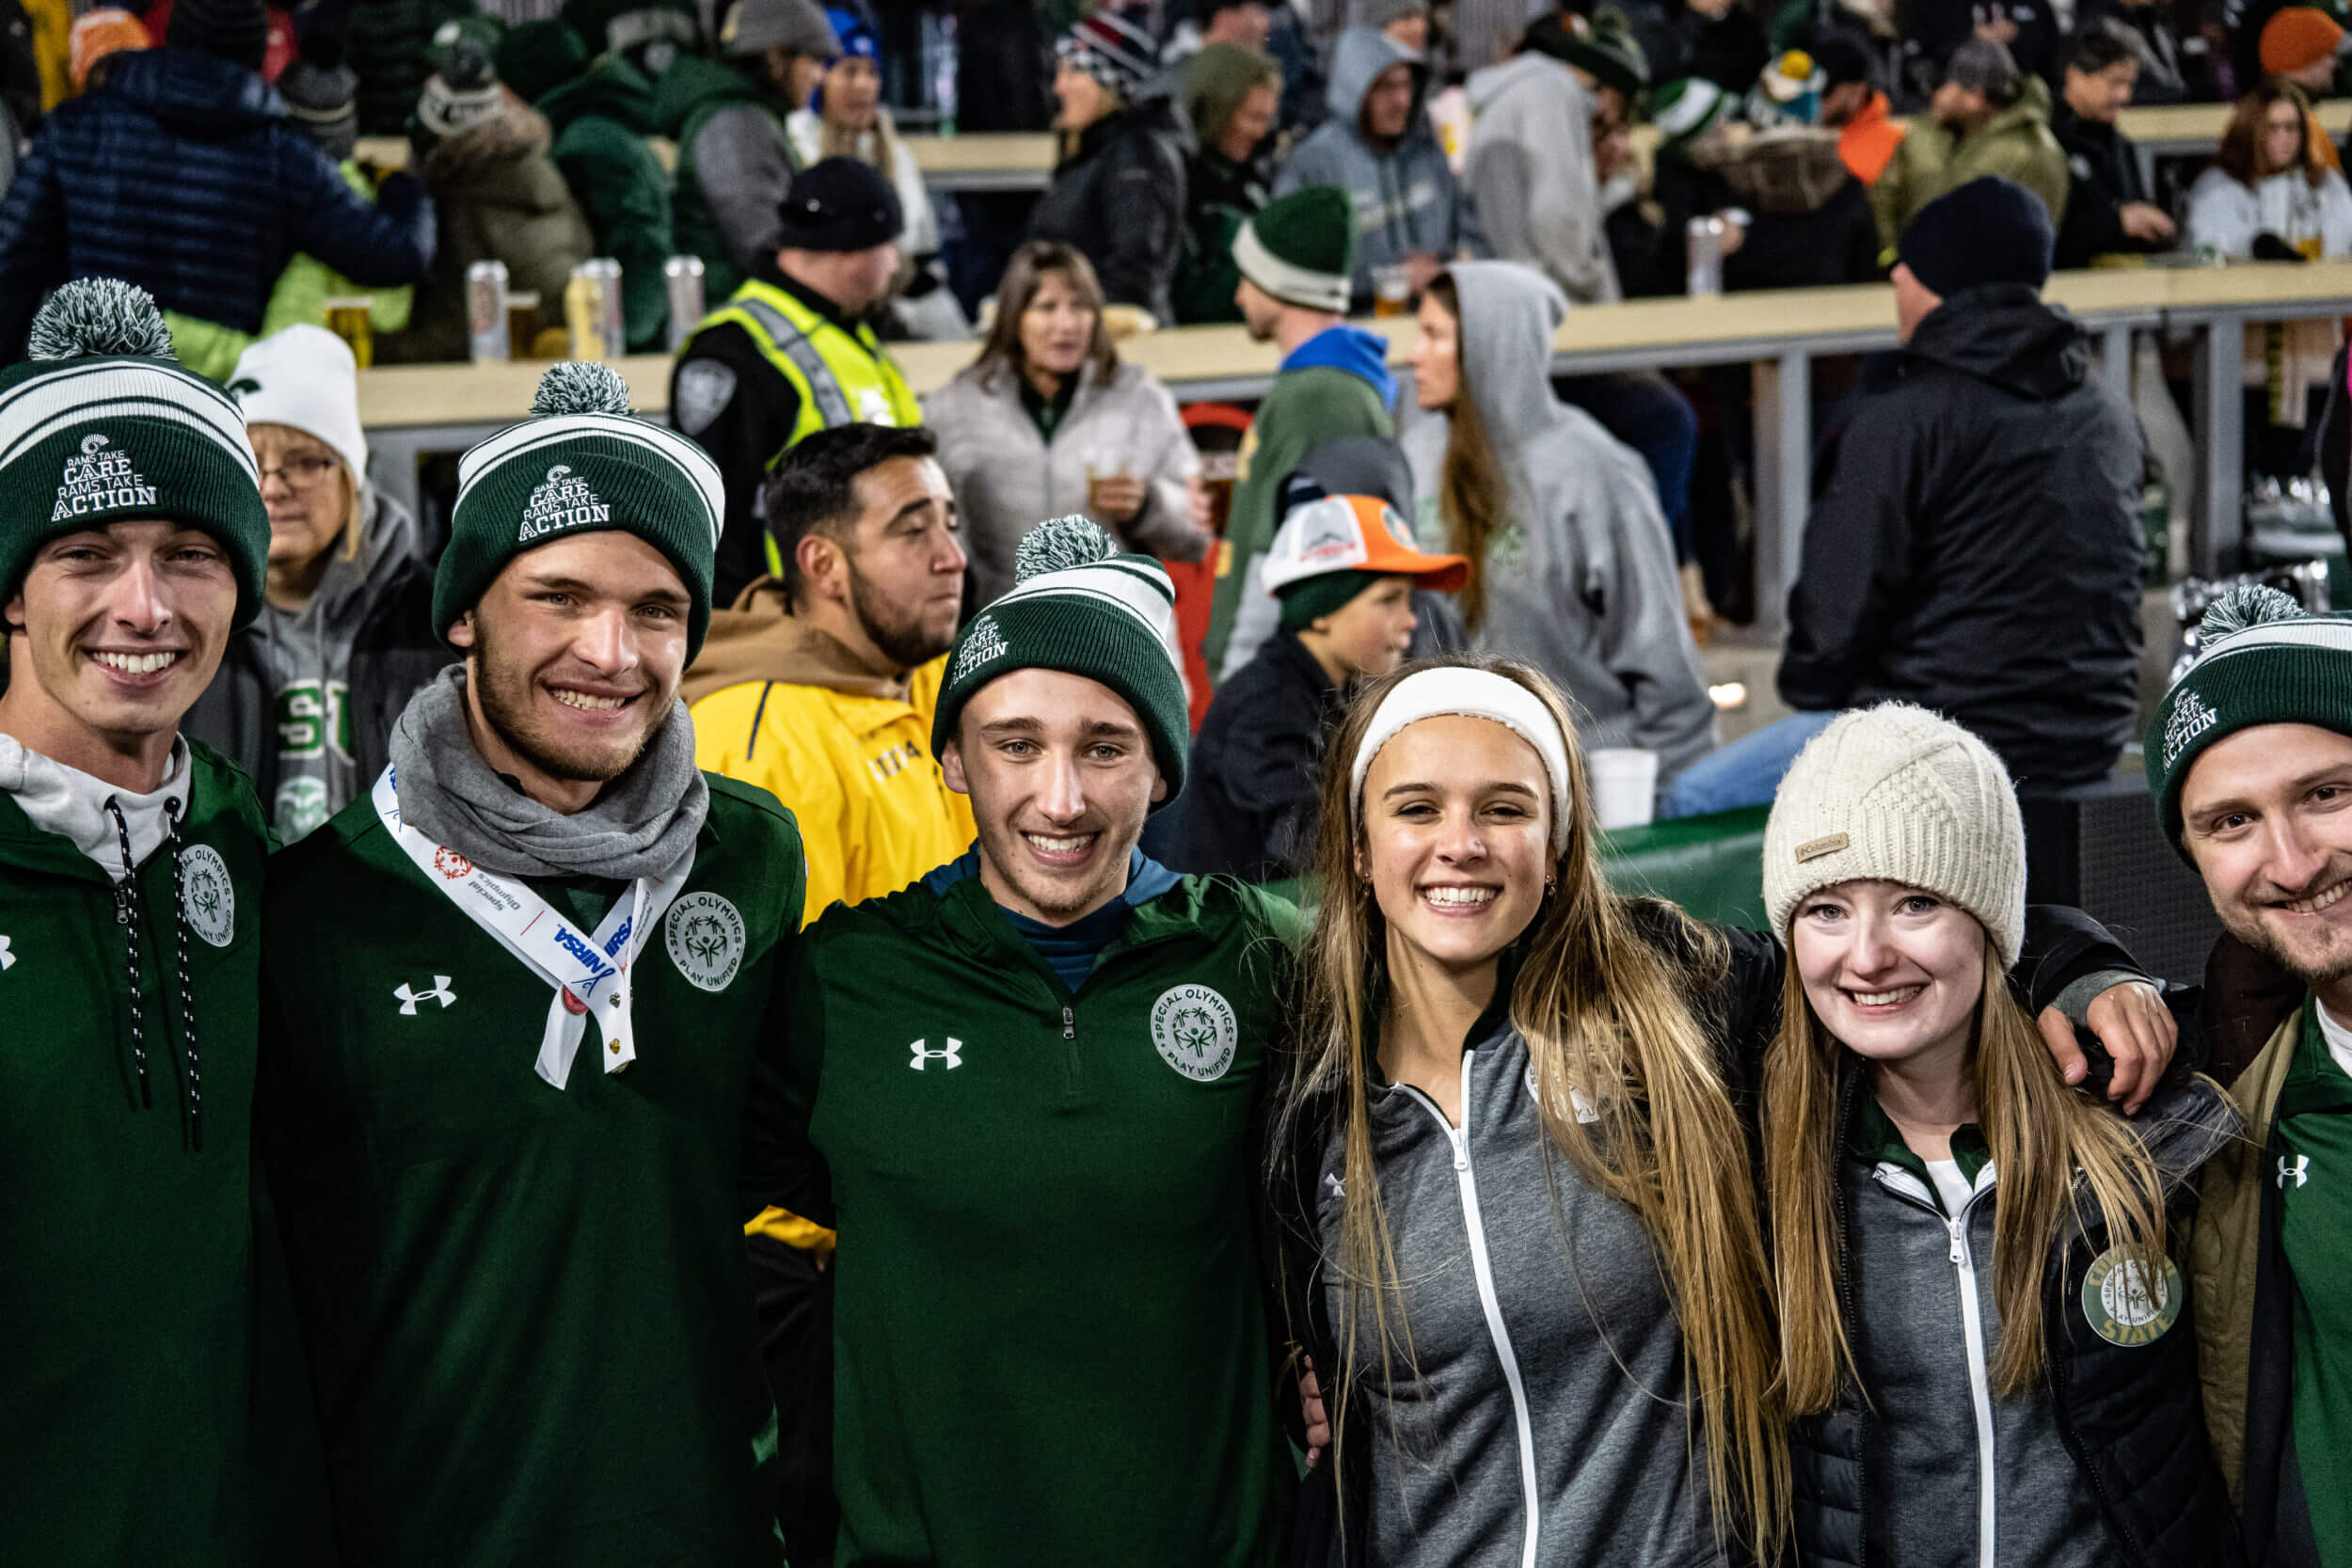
(1959,1477)
(1558,1301)
(1406,199)
(1007,478)
(1581,583)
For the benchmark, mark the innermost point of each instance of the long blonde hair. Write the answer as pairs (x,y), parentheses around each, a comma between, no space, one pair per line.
(1473,493)
(1602,1007)
(2040,1132)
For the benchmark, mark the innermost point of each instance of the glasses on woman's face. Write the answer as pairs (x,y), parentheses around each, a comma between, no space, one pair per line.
(300,473)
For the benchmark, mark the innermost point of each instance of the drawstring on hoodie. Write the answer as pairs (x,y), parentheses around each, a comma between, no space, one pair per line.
(128,914)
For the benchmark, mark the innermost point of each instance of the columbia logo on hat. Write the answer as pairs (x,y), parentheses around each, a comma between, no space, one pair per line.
(564,500)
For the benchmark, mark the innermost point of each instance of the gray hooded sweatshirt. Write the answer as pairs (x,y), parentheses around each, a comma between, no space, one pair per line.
(1548,1423)
(1406,195)
(1581,581)
(1529,173)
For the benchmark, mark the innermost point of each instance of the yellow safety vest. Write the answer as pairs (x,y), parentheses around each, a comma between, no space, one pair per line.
(842,378)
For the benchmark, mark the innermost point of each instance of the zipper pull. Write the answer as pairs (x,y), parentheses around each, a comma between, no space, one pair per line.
(1068,1024)
(1461,1148)
(1960,1246)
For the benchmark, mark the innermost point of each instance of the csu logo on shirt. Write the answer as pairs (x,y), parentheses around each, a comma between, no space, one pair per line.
(1194,1030)
(2126,1302)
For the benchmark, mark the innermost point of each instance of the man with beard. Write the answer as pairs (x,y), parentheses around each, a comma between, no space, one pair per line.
(819,687)
(2250,759)
(132,543)
(1025,1088)
(512,1002)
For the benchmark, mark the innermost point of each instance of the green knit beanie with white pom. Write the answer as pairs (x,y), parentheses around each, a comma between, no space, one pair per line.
(2262,659)
(582,463)
(103,425)
(1078,606)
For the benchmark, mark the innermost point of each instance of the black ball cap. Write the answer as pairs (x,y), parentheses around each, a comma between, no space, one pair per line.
(840,204)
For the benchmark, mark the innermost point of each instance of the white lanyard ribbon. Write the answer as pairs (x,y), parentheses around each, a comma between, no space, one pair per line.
(590,973)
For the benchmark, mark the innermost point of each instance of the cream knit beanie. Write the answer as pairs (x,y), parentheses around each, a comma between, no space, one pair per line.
(1896,794)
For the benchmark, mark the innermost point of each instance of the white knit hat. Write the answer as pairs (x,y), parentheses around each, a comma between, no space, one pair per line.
(1896,794)
(305,377)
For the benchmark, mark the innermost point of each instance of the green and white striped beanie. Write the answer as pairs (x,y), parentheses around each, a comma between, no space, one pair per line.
(101,424)
(2262,658)
(1080,607)
(582,463)
(1686,110)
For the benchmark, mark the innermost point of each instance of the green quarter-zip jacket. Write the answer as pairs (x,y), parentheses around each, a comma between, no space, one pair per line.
(1050,1333)
(526,1310)
(126,1241)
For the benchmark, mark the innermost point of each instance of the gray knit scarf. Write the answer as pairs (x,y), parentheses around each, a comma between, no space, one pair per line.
(644,823)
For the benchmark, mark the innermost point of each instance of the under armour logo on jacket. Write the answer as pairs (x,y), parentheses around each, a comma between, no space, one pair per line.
(953,1056)
(408,999)
(7,959)
(2296,1170)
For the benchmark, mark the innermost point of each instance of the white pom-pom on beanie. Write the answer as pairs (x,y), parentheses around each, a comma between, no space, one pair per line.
(1897,794)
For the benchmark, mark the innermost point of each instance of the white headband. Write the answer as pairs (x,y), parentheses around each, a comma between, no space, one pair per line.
(1470,694)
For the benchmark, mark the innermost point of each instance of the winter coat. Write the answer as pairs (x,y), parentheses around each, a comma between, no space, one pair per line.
(2015,144)
(2227,213)
(1809,222)
(734,165)
(1868,140)
(1978,549)
(2104,1464)
(1334,385)
(601,120)
(1652,1489)
(780,704)
(128,1301)
(1530,174)
(502,199)
(336,675)
(182,173)
(1579,581)
(2245,1317)
(1248,807)
(1118,197)
(1220,195)
(1006,475)
(389,46)
(505,1372)
(2104,176)
(1055,1202)
(307,283)
(1406,200)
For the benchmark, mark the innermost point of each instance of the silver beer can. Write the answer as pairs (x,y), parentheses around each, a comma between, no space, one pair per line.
(485,311)
(1705,256)
(682,281)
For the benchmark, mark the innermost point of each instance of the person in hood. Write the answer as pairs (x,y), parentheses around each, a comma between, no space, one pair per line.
(132,538)
(1511,1186)
(1048,419)
(1346,574)
(1978,548)
(1295,261)
(2107,207)
(1379,148)
(1572,567)
(1232,95)
(1118,195)
(1989,1334)
(818,688)
(1530,166)
(1025,1085)
(729,119)
(185,149)
(1988,118)
(849,121)
(513,994)
(306,695)
(484,155)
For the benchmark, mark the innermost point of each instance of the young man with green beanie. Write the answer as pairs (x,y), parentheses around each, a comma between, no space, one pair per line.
(512,1001)
(1296,256)
(131,541)
(2250,759)
(1344,569)
(1024,1091)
